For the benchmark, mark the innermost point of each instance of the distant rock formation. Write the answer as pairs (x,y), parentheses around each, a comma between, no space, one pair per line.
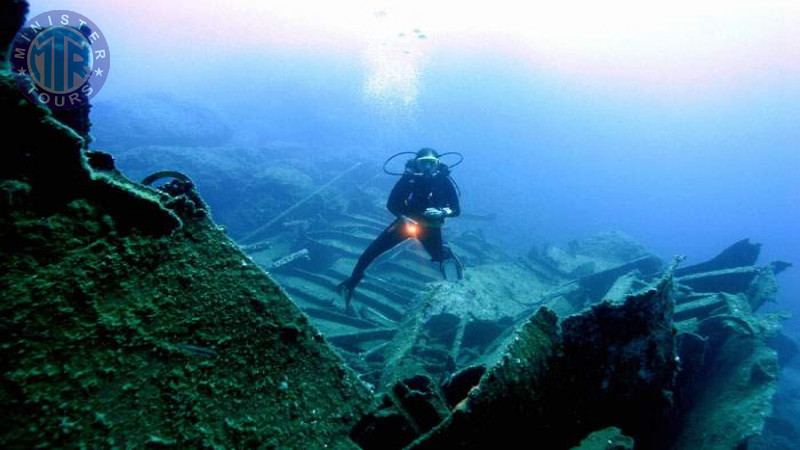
(157,119)
(246,186)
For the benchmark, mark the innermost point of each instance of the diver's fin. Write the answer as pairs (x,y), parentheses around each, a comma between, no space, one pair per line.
(451,256)
(459,266)
(346,289)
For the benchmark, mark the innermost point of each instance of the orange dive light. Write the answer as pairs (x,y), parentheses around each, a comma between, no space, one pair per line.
(412,229)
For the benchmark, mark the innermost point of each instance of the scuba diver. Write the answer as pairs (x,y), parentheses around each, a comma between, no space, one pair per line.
(421,200)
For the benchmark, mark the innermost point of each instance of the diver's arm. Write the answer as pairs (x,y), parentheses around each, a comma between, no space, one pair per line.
(397,204)
(452,198)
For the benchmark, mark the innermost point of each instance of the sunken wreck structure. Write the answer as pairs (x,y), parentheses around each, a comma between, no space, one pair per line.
(130,317)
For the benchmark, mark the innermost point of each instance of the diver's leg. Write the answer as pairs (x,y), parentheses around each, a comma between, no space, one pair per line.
(390,237)
(431,239)
(449,254)
(440,252)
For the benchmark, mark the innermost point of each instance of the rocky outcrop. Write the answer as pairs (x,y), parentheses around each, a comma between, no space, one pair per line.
(112,338)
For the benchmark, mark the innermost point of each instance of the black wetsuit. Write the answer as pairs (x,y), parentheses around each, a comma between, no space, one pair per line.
(410,197)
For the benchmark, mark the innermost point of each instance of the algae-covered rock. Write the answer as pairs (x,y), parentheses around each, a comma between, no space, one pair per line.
(734,384)
(610,438)
(781,430)
(113,339)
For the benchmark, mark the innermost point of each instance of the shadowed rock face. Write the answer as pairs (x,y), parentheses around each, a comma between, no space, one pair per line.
(12,17)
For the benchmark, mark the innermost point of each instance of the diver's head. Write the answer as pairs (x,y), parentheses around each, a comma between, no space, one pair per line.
(427,162)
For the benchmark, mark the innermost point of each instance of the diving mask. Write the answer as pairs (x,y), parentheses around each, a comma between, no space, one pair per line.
(427,165)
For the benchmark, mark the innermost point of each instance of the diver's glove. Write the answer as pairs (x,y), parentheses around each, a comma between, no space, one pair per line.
(437,213)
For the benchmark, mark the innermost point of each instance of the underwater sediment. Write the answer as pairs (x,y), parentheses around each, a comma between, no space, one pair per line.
(130,318)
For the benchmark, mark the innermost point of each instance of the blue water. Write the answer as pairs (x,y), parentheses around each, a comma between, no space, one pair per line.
(557,159)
